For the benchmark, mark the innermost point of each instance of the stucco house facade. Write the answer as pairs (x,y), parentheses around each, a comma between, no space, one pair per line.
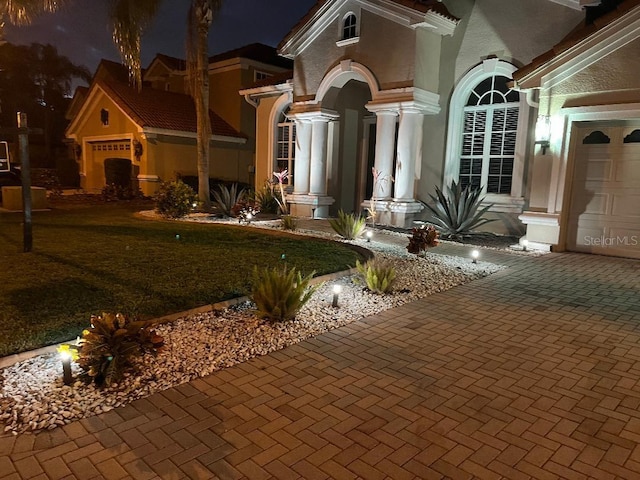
(429,92)
(155,128)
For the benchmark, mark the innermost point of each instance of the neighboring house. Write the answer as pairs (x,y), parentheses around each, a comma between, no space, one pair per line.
(155,129)
(429,92)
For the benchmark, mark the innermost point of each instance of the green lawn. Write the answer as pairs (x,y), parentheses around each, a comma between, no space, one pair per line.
(103,259)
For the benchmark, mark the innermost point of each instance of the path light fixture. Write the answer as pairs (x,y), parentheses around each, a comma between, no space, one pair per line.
(369,235)
(474,255)
(249,217)
(337,289)
(525,245)
(66,355)
(177,236)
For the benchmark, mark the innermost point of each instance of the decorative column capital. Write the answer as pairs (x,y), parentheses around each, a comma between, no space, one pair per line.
(307,113)
(383,109)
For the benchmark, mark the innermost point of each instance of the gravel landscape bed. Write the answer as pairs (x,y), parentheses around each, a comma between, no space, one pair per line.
(33,396)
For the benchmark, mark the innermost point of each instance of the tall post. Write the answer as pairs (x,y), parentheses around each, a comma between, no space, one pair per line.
(25,173)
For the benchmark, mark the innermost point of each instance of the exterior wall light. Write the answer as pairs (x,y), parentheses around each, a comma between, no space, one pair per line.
(336,292)
(543,132)
(474,255)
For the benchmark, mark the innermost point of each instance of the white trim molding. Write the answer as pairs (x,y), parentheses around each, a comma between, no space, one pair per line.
(588,51)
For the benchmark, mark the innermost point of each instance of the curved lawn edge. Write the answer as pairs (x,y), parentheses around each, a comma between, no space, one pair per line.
(12,359)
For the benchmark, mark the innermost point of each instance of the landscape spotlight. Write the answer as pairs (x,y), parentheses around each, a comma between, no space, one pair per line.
(525,244)
(369,235)
(475,254)
(249,217)
(336,291)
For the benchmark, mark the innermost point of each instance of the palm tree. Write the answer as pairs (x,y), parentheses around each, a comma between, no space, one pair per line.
(129,18)
(22,12)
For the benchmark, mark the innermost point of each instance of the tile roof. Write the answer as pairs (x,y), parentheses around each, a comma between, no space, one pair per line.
(153,108)
(172,62)
(423,6)
(579,34)
(255,51)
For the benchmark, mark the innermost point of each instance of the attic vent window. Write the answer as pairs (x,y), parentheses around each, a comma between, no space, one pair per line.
(349,31)
(104,117)
(349,28)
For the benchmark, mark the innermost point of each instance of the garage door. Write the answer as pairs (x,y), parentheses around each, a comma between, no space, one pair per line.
(99,152)
(605,202)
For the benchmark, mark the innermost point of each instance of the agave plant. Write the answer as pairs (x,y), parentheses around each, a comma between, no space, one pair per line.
(226,198)
(348,226)
(378,275)
(280,293)
(457,212)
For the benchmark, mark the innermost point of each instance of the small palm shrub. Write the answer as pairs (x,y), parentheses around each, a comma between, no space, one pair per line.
(456,212)
(110,346)
(226,198)
(280,293)
(422,238)
(378,275)
(289,223)
(348,226)
(174,199)
(268,199)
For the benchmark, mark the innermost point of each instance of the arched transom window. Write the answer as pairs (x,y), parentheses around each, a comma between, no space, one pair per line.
(489,136)
(286,145)
(349,27)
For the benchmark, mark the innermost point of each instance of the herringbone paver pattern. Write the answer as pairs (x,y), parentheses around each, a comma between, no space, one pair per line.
(530,373)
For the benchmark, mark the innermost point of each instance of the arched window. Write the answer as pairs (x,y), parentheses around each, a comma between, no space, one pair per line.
(285,145)
(489,136)
(349,27)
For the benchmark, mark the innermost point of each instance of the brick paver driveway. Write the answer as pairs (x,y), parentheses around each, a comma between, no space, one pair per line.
(530,373)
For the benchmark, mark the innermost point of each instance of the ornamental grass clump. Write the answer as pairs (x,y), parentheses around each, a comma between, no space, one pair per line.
(422,238)
(348,226)
(378,275)
(289,223)
(175,199)
(111,345)
(280,293)
(456,212)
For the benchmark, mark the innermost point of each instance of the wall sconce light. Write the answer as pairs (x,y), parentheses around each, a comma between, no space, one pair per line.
(336,291)
(137,149)
(543,132)
(474,255)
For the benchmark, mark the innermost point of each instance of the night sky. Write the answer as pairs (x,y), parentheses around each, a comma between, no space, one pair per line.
(82,32)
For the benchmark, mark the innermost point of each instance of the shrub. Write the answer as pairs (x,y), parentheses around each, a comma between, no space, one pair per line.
(279,294)
(113,192)
(245,210)
(226,198)
(289,223)
(348,226)
(109,347)
(174,199)
(457,212)
(422,238)
(268,200)
(378,275)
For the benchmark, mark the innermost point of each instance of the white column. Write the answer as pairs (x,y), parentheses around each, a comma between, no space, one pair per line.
(409,153)
(385,146)
(303,158)
(318,171)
